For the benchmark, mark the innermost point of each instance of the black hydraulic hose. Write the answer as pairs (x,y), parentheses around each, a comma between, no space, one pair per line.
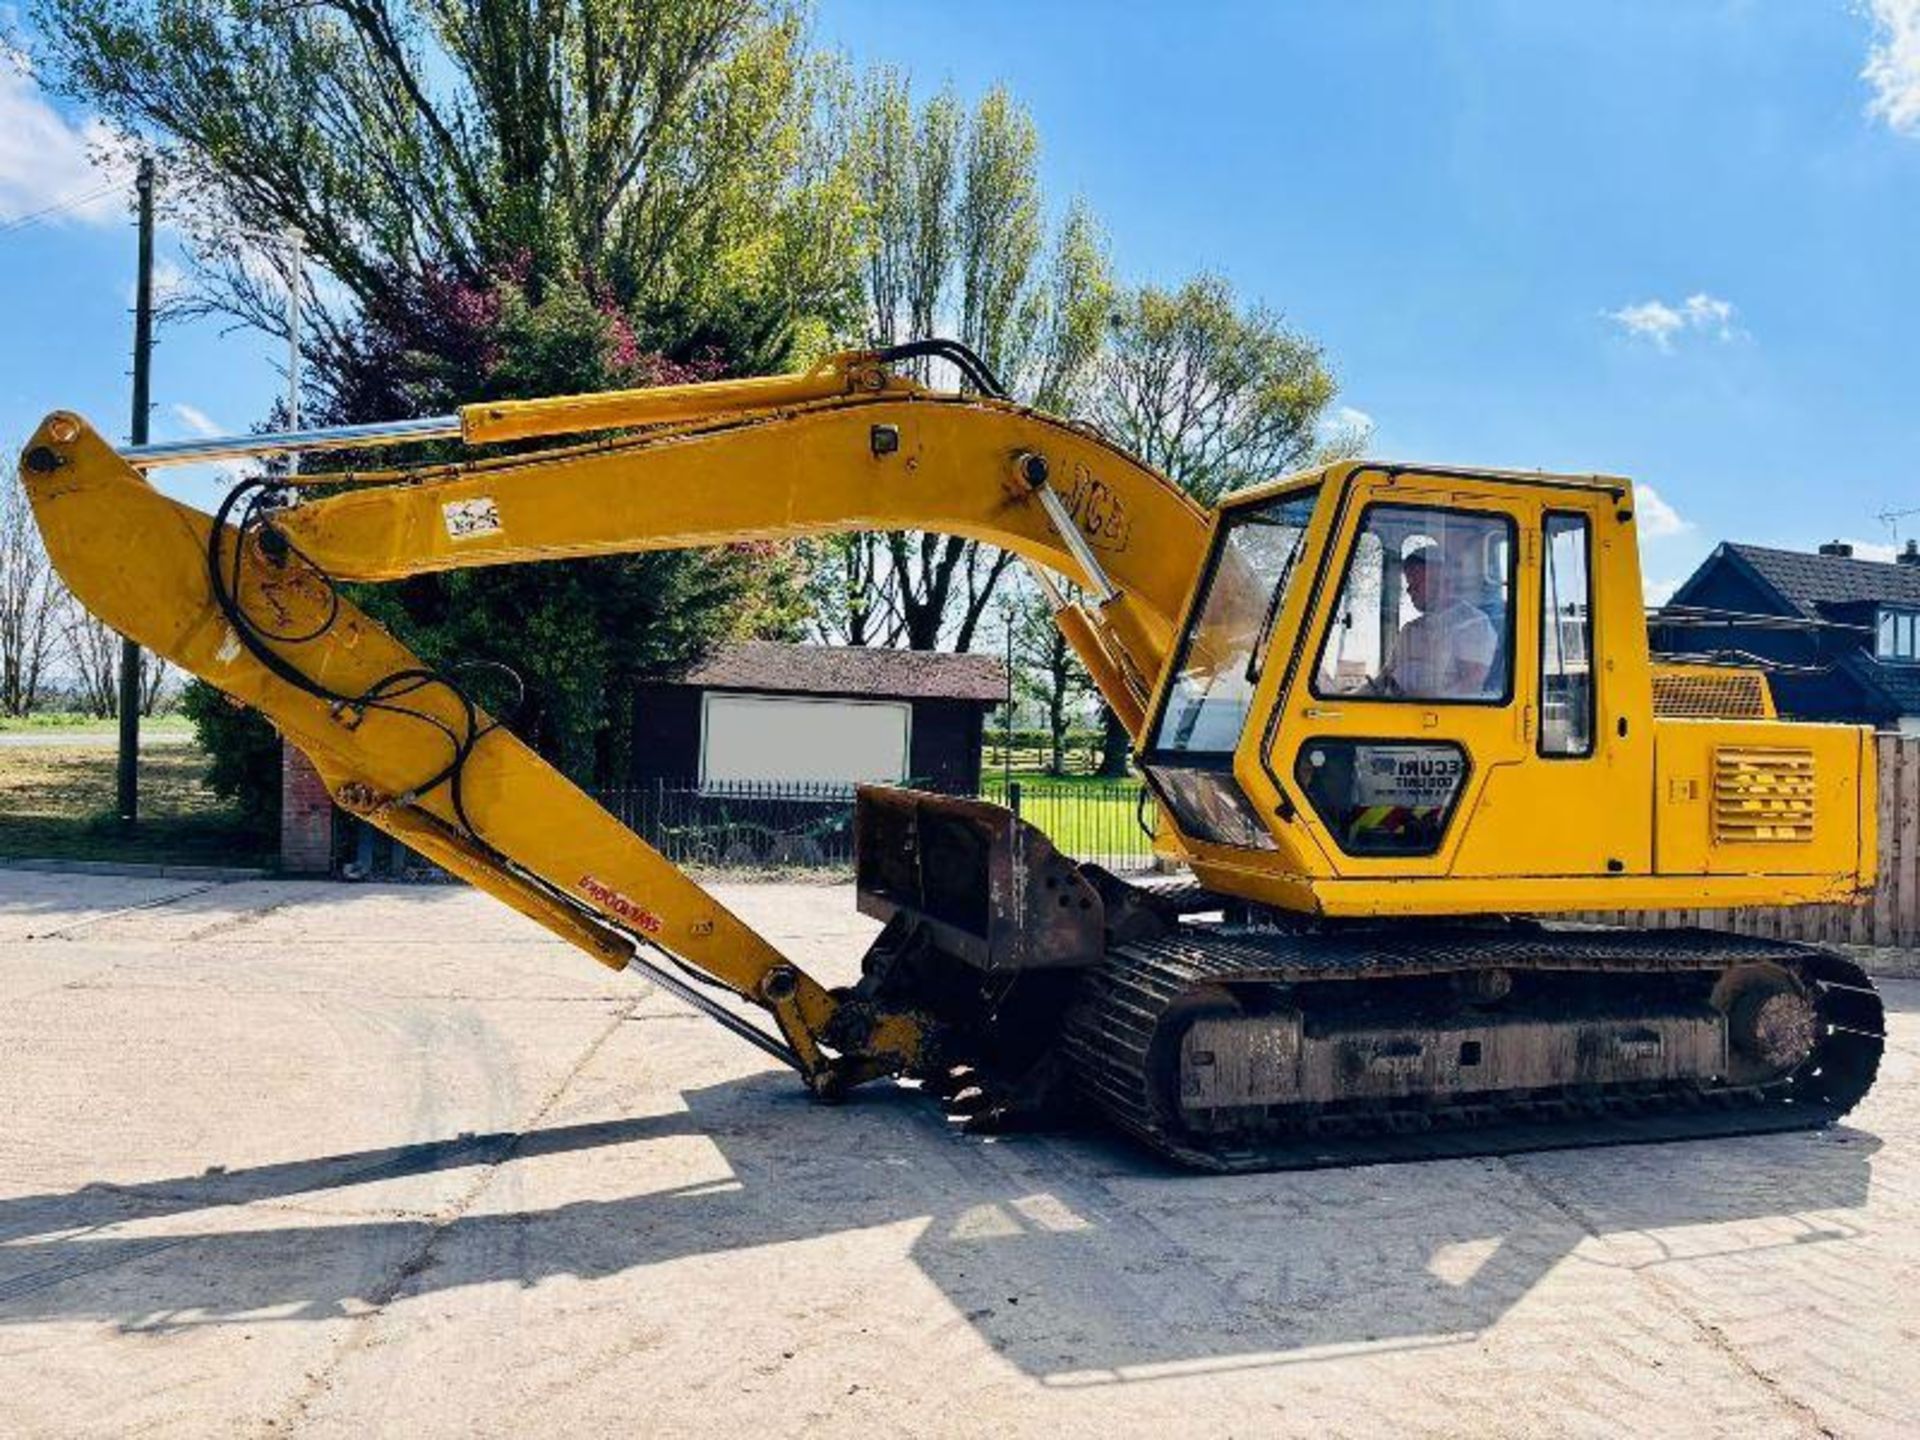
(971,367)
(381,695)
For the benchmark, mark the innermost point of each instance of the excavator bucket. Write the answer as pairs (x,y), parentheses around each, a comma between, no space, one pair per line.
(990,889)
(989,933)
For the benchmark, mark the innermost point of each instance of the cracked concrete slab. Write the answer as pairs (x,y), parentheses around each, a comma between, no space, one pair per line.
(297,1159)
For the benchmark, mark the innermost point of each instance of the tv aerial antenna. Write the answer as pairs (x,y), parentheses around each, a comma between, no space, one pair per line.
(1892,518)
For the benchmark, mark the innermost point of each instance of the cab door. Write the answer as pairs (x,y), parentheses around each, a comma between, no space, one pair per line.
(1415,733)
(1579,802)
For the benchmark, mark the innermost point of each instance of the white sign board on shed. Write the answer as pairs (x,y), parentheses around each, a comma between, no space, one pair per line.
(784,738)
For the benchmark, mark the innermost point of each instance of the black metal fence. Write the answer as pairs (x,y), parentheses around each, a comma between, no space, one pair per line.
(1108,821)
(739,825)
(782,826)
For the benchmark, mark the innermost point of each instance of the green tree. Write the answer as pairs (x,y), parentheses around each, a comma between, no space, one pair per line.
(955,239)
(1047,671)
(508,198)
(579,634)
(676,157)
(243,753)
(1071,317)
(1213,394)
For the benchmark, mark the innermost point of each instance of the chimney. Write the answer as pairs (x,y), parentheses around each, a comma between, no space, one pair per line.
(1910,555)
(1841,550)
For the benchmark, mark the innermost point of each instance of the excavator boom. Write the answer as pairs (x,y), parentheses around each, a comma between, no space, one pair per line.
(247,600)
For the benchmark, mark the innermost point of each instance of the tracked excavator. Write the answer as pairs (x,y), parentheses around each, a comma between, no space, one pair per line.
(1401,722)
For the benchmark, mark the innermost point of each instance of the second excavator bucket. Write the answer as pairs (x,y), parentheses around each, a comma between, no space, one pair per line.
(991,889)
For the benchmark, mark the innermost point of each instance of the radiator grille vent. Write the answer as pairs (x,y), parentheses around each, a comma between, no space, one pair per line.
(1762,796)
(1710,695)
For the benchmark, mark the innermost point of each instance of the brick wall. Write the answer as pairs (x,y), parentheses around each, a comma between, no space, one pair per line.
(306,816)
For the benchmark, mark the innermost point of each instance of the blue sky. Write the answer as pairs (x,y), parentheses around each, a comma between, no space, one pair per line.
(1679,242)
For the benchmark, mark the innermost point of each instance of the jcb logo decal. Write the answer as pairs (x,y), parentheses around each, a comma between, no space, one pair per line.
(1099,512)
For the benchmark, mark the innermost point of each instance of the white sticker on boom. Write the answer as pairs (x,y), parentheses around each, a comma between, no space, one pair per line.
(467,519)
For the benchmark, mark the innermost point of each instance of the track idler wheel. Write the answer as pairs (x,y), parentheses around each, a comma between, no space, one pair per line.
(1772,1022)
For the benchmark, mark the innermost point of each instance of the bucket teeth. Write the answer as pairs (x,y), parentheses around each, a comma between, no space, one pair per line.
(950,1082)
(970,1102)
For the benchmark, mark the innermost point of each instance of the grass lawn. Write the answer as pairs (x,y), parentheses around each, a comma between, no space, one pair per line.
(57,802)
(1083,815)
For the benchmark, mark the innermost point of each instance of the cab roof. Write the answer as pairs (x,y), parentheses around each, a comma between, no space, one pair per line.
(1345,472)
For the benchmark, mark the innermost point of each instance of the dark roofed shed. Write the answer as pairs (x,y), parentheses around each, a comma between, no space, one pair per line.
(765,711)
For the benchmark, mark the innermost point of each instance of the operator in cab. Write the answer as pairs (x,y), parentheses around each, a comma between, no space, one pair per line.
(1448,650)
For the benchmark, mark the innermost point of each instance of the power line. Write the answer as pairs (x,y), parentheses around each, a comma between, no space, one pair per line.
(25,222)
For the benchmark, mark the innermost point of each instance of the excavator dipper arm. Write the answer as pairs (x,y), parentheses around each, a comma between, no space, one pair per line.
(247,600)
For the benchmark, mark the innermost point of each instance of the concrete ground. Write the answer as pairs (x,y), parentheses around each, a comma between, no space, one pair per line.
(306,1159)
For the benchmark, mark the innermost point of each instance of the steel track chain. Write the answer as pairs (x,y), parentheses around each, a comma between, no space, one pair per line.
(1110,1035)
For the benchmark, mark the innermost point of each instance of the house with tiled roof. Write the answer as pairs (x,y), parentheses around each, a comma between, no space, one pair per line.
(762,713)
(1849,645)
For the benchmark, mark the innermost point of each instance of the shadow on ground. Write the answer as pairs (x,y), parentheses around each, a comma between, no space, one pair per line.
(1077,1258)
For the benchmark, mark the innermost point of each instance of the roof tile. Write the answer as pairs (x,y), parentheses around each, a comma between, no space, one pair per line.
(777,668)
(1812,582)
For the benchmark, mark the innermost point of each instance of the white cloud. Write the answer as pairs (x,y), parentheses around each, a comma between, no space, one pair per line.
(196,420)
(1658,519)
(169,283)
(1345,427)
(1871,550)
(1659,322)
(1657,592)
(1343,433)
(1708,312)
(45,160)
(1893,65)
(1649,319)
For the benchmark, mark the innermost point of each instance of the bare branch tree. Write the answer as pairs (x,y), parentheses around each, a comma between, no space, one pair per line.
(31,603)
(160,684)
(851,598)
(92,655)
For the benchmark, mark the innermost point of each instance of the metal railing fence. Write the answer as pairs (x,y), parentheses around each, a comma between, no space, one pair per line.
(780,825)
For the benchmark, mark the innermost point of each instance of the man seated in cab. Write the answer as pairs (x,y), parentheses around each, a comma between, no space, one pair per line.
(1448,651)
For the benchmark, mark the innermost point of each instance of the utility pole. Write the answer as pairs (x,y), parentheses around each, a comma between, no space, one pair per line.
(129,771)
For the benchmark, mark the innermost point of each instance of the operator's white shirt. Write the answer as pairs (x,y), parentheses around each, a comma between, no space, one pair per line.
(1435,648)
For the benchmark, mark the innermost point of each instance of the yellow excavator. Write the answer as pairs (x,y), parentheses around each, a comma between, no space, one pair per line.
(1393,715)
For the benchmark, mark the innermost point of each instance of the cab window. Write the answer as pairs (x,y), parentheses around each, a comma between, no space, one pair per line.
(1566,638)
(1253,571)
(1426,610)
